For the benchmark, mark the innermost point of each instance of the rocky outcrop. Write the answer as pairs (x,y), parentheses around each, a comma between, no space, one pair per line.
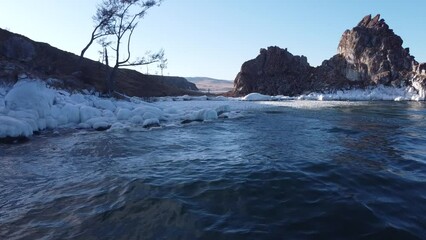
(374,53)
(273,71)
(369,54)
(20,55)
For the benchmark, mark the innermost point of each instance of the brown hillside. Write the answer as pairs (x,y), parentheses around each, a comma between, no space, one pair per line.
(21,55)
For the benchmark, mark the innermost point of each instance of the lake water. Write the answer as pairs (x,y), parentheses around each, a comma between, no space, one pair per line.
(355,171)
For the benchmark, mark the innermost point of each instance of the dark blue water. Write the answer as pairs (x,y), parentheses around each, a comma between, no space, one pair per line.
(347,172)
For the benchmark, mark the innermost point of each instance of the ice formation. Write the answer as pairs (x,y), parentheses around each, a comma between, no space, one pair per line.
(30,106)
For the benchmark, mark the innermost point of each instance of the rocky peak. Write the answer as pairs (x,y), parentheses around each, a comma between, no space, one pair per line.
(374,53)
(375,22)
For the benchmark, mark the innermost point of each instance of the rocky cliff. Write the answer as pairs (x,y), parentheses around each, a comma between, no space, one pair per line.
(20,55)
(272,72)
(369,54)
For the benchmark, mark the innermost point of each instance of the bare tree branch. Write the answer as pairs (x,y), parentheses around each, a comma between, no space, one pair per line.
(128,45)
(117,20)
(103,16)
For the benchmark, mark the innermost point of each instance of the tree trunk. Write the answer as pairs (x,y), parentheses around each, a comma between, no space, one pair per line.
(84,51)
(106,56)
(110,83)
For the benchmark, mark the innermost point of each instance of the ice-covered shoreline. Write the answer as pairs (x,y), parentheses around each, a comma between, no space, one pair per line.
(379,93)
(30,106)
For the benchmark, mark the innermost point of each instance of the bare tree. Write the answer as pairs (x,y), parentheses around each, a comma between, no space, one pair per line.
(162,65)
(102,19)
(104,52)
(117,20)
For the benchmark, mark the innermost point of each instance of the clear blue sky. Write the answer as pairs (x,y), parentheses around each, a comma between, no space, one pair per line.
(214,37)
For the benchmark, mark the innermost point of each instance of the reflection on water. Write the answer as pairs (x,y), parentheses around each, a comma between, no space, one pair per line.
(355,171)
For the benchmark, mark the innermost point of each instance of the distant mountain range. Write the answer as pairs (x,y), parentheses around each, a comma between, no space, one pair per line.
(206,84)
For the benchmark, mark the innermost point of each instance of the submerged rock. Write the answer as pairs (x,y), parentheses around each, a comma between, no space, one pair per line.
(151,123)
(369,54)
(187,121)
(14,140)
(101,126)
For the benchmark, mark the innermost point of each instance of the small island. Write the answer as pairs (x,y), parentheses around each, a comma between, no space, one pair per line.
(368,55)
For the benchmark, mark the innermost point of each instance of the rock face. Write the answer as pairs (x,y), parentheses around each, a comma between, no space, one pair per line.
(20,55)
(19,48)
(272,72)
(369,54)
(374,53)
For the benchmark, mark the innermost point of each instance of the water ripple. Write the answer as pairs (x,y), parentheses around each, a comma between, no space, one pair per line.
(350,172)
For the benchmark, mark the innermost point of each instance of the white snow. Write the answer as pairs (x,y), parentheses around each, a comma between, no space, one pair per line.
(203,114)
(104,104)
(370,94)
(12,127)
(87,113)
(71,113)
(150,121)
(123,114)
(256,97)
(30,105)
(30,95)
(422,92)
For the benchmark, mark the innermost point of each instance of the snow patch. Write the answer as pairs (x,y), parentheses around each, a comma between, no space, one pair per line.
(87,112)
(123,114)
(104,104)
(256,97)
(30,95)
(151,122)
(71,113)
(370,94)
(12,127)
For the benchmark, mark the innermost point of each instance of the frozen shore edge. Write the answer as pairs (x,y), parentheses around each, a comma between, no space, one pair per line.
(31,106)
